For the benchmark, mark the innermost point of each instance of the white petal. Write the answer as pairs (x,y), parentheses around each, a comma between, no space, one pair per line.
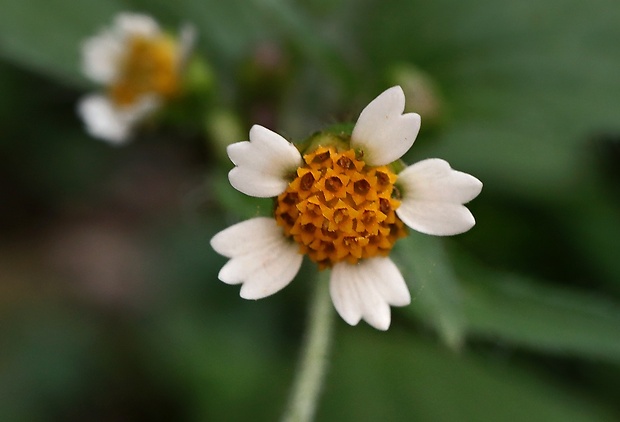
(106,121)
(103,120)
(101,55)
(264,164)
(389,281)
(187,42)
(382,131)
(130,24)
(261,257)
(432,198)
(242,238)
(366,289)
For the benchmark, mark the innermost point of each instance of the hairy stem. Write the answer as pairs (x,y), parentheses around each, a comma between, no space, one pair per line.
(314,358)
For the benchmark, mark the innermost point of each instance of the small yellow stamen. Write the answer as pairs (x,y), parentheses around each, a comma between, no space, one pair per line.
(149,67)
(339,209)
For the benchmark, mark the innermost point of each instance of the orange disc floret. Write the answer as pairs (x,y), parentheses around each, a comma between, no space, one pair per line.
(150,66)
(339,209)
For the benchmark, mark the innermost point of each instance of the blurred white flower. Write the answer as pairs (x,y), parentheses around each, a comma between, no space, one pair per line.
(344,205)
(139,66)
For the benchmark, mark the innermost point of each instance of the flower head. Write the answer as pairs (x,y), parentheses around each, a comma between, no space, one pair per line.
(343,201)
(140,67)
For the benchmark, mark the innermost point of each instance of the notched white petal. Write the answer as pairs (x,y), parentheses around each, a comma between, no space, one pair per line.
(264,164)
(366,290)
(382,131)
(243,237)
(433,195)
(342,288)
(278,268)
(262,259)
(389,281)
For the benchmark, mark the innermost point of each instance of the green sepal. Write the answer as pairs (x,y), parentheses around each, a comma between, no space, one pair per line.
(338,136)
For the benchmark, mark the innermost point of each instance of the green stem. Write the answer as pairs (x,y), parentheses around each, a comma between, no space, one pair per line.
(313,364)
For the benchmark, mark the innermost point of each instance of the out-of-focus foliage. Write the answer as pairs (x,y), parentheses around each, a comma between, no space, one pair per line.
(109,299)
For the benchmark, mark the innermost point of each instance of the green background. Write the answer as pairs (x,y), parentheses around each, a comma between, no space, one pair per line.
(110,307)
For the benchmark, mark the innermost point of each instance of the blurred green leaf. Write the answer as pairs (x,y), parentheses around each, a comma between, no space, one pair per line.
(226,29)
(47,353)
(254,22)
(45,35)
(305,33)
(436,294)
(396,377)
(524,84)
(184,265)
(518,310)
(208,353)
(593,223)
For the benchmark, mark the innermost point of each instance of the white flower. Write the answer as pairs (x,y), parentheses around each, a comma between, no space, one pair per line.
(139,66)
(338,207)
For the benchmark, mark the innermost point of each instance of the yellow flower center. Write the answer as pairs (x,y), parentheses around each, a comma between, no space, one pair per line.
(149,67)
(339,209)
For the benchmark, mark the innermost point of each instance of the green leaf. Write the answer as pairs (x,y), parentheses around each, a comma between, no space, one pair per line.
(436,293)
(231,30)
(226,362)
(593,225)
(48,351)
(520,311)
(524,85)
(397,377)
(45,35)
(225,29)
